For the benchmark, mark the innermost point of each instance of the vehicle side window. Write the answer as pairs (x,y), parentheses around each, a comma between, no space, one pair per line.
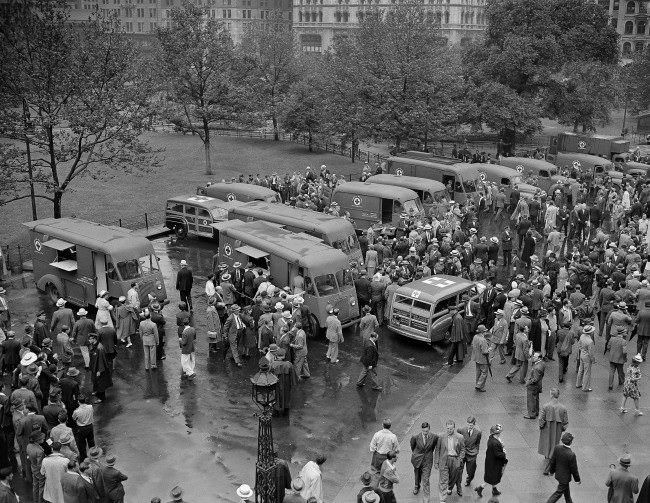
(505,181)
(190,210)
(543,173)
(111,272)
(444,305)
(309,286)
(177,207)
(402,300)
(203,213)
(418,304)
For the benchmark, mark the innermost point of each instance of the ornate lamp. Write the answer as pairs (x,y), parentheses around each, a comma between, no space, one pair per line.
(264,395)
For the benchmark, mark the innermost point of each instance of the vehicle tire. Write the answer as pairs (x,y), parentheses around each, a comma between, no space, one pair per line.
(181,231)
(52,292)
(316,332)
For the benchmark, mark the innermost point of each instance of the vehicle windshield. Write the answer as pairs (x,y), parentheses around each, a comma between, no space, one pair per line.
(515,180)
(344,279)
(137,267)
(413,206)
(326,284)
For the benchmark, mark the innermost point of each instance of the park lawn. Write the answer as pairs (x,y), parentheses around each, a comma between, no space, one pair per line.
(129,196)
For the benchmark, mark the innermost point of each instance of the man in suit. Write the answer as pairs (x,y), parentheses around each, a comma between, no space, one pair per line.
(369,359)
(248,284)
(564,465)
(184,282)
(623,485)
(487,303)
(534,386)
(522,346)
(231,330)
(617,356)
(422,446)
(10,352)
(448,459)
(472,436)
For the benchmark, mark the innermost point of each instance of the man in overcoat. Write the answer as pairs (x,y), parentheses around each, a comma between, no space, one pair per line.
(553,420)
(422,446)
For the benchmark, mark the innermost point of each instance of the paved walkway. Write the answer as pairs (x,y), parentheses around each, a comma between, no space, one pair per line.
(601,433)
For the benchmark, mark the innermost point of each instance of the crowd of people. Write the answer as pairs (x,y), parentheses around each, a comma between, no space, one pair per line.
(563,269)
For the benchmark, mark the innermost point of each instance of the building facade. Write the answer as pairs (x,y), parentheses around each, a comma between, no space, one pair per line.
(630,19)
(317,22)
(142,17)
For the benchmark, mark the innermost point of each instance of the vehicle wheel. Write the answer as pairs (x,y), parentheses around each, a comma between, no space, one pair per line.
(181,232)
(52,292)
(316,331)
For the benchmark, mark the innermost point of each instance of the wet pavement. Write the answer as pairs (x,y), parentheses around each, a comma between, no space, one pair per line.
(203,434)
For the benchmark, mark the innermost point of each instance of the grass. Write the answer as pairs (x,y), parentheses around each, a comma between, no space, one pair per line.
(128,197)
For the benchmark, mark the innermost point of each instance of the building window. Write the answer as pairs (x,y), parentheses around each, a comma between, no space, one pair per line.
(640,28)
(311,43)
(300,16)
(630,8)
(627,48)
(337,16)
(439,17)
(638,46)
(629,27)
(360,16)
(447,16)
(614,23)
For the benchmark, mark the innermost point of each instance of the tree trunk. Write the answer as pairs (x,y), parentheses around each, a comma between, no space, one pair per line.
(354,148)
(276,133)
(311,149)
(426,140)
(575,127)
(206,145)
(58,195)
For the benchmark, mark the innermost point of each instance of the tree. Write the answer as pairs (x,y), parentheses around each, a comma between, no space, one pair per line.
(271,45)
(635,81)
(583,96)
(301,112)
(79,95)
(199,63)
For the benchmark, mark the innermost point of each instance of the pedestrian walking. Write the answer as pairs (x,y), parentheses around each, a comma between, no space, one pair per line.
(113,479)
(369,359)
(622,484)
(564,465)
(499,336)
(631,385)
(534,386)
(448,460)
(617,357)
(472,435)
(381,444)
(553,420)
(388,478)
(36,454)
(458,334)
(126,320)
(299,347)
(186,342)
(184,282)
(587,355)
(565,340)
(495,462)
(334,335)
(481,356)
(103,307)
(368,323)
(522,349)
(422,446)
(312,477)
(62,316)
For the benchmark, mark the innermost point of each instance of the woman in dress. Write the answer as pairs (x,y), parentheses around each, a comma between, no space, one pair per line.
(104,309)
(495,461)
(631,385)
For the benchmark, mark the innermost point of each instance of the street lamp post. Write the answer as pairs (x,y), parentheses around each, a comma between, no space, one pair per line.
(263,394)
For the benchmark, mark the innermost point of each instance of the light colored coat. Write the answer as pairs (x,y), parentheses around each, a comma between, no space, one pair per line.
(553,420)
(53,467)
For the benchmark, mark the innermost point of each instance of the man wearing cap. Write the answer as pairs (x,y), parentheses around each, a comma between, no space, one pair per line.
(62,316)
(35,454)
(617,318)
(82,327)
(368,323)
(232,329)
(150,339)
(184,282)
(41,330)
(587,356)
(113,479)
(522,348)
(334,334)
(95,471)
(100,369)
(63,348)
(623,485)
(187,341)
(480,355)
(534,386)
(564,465)
(369,359)
(157,317)
(617,357)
